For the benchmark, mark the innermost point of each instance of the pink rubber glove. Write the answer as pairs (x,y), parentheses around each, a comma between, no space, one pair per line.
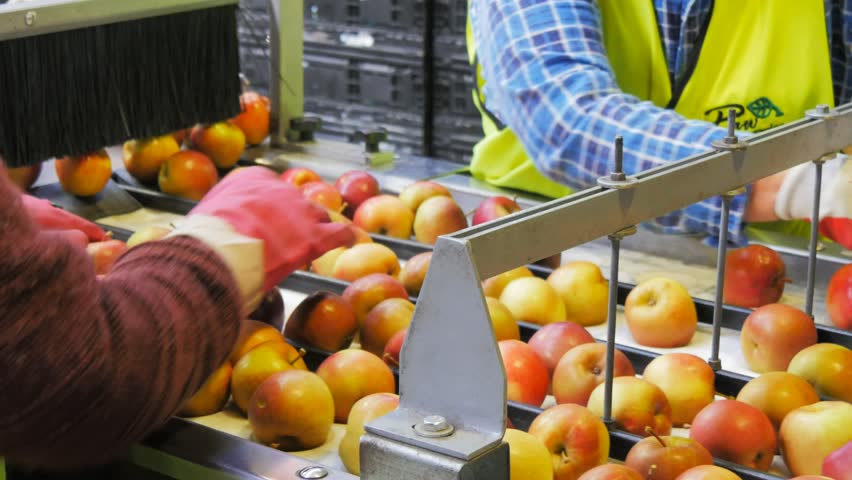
(294,231)
(48,217)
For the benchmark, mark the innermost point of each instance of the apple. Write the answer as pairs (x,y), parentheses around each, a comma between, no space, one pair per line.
(660,313)
(105,253)
(528,458)
(84,175)
(258,364)
(494,207)
(393,348)
(223,142)
(737,432)
(416,193)
(24,177)
(147,234)
(584,290)
(493,286)
(362,259)
(688,382)
(386,215)
(252,334)
(754,276)
(708,472)
(253,118)
(582,368)
(323,320)
(384,320)
(551,341)
(552,262)
(188,174)
(576,438)
(299,176)
(143,158)
(351,375)
(502,321)
(270,310)
(324,264)
(437,216)
(211,396)
(666,457)
(636,404)
(365,410)
(826,366)
(532,299)
(413,273)
(323,194)
(368,291)
(292,410)
(809,434)
(526,374)
(838,298)
(773,334)
(611,471)
(776,394)
(356,186)
(838,464)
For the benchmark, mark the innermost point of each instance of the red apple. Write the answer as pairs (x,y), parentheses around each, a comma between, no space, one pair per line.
(105,253)
(754,276)
(737,432)
(366,292)
(526,374)
(437,216)
(708,472)
(660,313)
(687,380)
(383,321)
(385,215)
(353,374)
(551,341)
(838,464)
(24,177)
(583,368)
(776,394)
(826,366)
(838,298)
(576,438)
(413,195)
(811,433)
(393,348)
(356,186)
(323,320)
(494,207)
(664,458)
(611,471)
(773,334)
(323,194)
(636,404)
(413,273)
(299,176)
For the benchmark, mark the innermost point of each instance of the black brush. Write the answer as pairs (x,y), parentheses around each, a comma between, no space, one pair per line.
(162,67)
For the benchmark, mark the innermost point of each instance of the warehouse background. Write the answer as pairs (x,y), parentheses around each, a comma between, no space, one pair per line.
(400,65)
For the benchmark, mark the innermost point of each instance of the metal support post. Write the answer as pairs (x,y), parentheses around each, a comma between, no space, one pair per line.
(812,242)
(286,85)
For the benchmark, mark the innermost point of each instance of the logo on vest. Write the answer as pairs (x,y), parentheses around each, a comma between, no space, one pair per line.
(755,116)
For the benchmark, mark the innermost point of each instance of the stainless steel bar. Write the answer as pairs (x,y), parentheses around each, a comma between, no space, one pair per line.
(812,242)
(548,229)
(714,361)
(615,241)
(286,85)
(40,17)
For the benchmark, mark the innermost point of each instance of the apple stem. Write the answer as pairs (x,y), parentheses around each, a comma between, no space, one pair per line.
(650,431)
(389,358)
(302,352)
(343,207)
(565,457)
(108,234)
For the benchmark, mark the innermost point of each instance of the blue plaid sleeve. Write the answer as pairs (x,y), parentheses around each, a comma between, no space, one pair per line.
(548,78)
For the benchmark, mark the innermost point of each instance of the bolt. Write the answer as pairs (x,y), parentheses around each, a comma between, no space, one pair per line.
(313,472)
(435,423)
(618,173)
(30,18)
(823,108)
(732,126)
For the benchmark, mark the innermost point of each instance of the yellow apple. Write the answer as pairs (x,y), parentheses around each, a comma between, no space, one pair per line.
(362,259)
(660,313)
(687,381)
(826,366)
(809,434)
(493,286)
(584,290)
(636,404)
(576,438)
(363,411)
(532,299)
(528,458)
(776,394)
(504,323)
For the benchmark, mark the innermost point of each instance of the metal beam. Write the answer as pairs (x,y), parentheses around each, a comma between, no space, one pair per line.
(286,87)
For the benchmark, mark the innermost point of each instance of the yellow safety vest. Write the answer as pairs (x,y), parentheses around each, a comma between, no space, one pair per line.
(769,59)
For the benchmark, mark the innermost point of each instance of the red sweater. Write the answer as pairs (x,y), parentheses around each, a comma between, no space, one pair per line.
(89,366)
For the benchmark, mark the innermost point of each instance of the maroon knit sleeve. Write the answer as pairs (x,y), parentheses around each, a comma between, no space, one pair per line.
(90,365)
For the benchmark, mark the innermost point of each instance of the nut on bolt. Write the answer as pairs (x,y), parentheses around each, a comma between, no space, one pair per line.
(433,426)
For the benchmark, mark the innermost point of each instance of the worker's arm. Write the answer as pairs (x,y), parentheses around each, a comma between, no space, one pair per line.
(548,78)
(90,366)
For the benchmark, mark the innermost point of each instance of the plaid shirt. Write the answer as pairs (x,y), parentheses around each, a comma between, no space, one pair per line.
(558,94)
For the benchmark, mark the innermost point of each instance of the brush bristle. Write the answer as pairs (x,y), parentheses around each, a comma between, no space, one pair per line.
(74,92)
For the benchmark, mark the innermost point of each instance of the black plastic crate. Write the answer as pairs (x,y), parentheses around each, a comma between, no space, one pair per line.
(396,14)
(453,93)
(410,44)
(450,17)
(454,136)
(450,50)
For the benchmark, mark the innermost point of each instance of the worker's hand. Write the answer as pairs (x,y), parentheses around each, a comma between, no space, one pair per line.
(795,196)
(48,217)
(264,228)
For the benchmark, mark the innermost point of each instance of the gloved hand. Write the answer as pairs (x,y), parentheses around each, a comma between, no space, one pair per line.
(48,217)
(795,197)
(264,229)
